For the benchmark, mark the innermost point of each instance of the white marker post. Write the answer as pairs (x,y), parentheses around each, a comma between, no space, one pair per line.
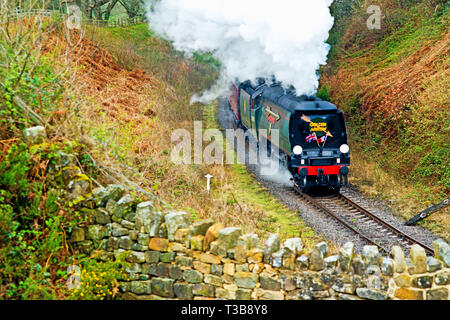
(208,180)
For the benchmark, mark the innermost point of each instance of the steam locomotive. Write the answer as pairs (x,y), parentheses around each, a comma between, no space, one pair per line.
(312,140)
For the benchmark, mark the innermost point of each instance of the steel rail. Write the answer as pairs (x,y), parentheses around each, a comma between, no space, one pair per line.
(396,232)
(342,221)
(385,224)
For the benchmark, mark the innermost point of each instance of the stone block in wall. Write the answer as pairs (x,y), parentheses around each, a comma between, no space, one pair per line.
(101,216)
(200,227)
(268,295)
(121,208)
(175,221)
(402,280)
(316,260)
(302,262)
(243,294)
(163,287)
(371,255)
(158,244)
(134,268)
(177,247)
(442,251)
(288,257)
(127,224)
(148,219)
(329,278)
(117,230)
(143,239)
(223,294)
(330,262)
(77,235)
(299,295)
(136,257)
(228,237)
(371,294)
(229,268)
(433,264)
(202,267)
(212,234)
(34,135)
(97,232)
(422,282)
(247,280)
(387,266)
(149,268)
(134,236)
(358,265)
(442,278)
(295,245)
(183,291)
(125,242)
(138,247)
(409,294)
(203,289)
(418,259)
(210,258)
(152,256)
(181,235)
(437,294)
(217,269)
(242,267)
(240,253)
(271,246)
(192,276)
(175,272)
(255,255)
(162,231)
(288,283)
(345,256)
(111,192)
(269,282)
(277,258)
(103,255)
(212,279)
(249,241)
(141,287)
(167,257)
(323,247)
(183,261)
(320,294)
(163,270)
(310,282)
(409,266)
(346,288)
(196,242)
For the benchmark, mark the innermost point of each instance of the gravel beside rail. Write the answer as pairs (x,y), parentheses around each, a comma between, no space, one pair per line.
(322,224)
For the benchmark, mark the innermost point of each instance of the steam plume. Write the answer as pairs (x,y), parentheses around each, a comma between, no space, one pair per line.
(252,38)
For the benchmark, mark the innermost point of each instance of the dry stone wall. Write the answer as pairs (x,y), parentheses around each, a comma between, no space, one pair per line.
(173,257)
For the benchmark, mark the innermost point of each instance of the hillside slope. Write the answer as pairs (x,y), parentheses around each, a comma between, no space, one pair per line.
(393,85)
(109,99)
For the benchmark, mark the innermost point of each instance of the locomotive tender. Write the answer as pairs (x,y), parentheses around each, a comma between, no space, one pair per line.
(312,132)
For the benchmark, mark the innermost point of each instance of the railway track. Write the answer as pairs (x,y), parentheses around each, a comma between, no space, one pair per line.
(363,223)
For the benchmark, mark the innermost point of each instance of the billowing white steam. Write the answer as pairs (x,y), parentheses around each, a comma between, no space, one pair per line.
(251,38)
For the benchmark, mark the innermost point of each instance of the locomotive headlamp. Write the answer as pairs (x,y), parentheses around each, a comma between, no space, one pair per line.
(344,148)
(297,150)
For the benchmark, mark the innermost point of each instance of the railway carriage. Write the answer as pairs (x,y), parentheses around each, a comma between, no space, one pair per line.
(312,140)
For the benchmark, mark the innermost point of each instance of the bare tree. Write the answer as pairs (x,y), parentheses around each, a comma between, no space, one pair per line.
(133,7)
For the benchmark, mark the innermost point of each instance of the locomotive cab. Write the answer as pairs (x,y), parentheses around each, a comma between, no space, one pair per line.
(320,153)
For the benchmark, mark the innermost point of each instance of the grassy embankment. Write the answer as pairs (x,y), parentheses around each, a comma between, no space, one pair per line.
(393,85)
